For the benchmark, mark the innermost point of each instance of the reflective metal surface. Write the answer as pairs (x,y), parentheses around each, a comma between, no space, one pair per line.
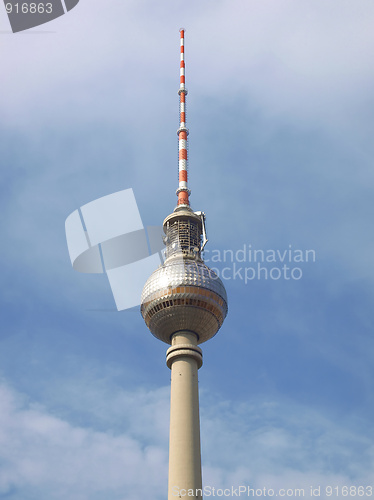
(184,294)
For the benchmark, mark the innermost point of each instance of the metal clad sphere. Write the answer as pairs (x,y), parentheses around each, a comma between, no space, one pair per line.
(184,294)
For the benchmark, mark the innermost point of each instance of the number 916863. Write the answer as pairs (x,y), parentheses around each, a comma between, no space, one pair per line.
(28,8)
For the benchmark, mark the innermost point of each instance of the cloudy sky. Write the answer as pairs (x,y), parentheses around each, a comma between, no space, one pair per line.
(280,112)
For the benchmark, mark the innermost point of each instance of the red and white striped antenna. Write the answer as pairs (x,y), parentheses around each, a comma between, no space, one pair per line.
(183,192)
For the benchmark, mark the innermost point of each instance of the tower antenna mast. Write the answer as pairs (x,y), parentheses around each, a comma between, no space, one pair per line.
(182,192)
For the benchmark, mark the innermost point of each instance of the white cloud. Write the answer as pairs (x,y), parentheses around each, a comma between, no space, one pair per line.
(281,444)
(43,455)
(262,444)
(296,60)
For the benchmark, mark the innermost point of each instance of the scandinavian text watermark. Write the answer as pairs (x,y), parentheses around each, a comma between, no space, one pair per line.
(265,264)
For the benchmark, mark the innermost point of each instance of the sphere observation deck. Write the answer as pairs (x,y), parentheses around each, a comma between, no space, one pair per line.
(183,294)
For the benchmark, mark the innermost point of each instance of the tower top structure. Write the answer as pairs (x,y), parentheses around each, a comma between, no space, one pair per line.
(184,293)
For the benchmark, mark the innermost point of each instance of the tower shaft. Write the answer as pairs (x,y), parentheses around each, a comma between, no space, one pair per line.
(184,359)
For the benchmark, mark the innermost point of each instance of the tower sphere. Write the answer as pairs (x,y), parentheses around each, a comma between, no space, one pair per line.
(183,294)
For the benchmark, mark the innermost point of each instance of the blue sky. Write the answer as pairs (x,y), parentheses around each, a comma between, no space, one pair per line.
(280,112)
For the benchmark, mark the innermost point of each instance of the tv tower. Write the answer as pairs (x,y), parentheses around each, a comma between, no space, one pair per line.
(184,304)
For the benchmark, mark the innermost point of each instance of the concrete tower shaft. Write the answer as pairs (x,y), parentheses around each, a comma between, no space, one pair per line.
(184,359)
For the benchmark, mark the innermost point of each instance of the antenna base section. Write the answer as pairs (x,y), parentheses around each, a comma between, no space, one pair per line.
(186,190)
(183,129)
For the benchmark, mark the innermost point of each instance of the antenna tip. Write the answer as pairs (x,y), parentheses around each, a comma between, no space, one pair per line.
(181,31)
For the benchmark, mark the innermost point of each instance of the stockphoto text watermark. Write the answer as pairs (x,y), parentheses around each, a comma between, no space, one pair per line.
(311,491)
(238,491)
(265,264)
